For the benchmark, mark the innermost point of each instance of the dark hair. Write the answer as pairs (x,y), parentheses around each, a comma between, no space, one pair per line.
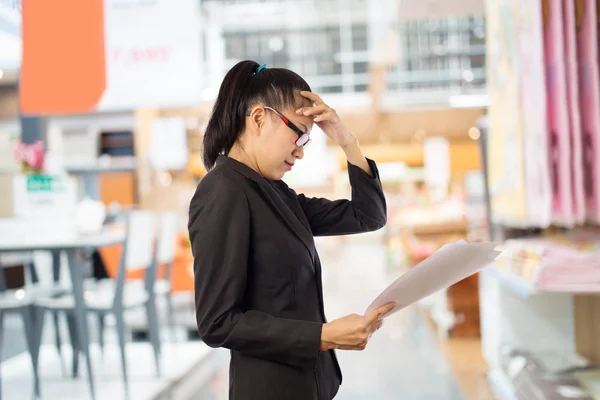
(243,87)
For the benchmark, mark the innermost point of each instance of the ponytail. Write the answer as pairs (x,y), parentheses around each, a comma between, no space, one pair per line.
(243,86)
(227,117)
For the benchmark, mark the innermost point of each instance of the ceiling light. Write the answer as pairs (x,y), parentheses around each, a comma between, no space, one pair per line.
(276,44)
(468,75)
(474,133)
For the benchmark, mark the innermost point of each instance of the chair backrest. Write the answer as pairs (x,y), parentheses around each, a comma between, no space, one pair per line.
(167,237)
(138,251)
(141,235)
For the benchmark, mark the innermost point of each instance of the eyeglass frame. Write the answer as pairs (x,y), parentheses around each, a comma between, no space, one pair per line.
(290,125)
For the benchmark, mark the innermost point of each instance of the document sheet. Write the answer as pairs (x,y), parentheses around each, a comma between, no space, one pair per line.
(449,265)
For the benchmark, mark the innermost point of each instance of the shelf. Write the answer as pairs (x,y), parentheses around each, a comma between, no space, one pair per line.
(96,169)
(127,164)
(523,288)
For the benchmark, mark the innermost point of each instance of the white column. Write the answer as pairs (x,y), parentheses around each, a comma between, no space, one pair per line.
(215,56)
(382,18)
(346,48)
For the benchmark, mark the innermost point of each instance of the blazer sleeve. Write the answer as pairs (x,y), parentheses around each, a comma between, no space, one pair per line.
(365,212)
(219,229)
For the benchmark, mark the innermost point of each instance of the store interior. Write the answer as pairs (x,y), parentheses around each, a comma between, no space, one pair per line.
(483,118)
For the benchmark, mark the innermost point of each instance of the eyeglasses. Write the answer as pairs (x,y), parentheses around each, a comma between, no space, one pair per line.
(303,139)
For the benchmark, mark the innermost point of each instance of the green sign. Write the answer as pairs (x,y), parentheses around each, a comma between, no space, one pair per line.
(45,183)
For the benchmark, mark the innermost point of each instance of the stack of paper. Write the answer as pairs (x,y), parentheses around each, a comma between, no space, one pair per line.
(449,265)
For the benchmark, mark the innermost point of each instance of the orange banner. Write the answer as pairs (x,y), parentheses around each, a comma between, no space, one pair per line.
(63,68)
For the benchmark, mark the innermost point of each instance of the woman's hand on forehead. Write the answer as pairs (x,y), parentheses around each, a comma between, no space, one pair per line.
(326,119)
(303,101)
(314,98)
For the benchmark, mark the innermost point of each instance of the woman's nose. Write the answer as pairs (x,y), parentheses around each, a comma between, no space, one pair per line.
(298,152)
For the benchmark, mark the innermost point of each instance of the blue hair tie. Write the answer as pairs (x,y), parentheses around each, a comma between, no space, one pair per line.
(261,68)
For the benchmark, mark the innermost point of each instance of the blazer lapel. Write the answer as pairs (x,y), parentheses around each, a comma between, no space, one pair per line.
(283,210)
(294,205)
(287,215)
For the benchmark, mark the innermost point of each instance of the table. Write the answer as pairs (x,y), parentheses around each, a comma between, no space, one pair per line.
(21,235)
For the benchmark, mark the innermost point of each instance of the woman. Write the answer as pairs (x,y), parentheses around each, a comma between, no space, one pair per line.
(258,288)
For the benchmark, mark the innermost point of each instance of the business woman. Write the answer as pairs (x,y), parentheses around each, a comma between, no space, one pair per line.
(257,273)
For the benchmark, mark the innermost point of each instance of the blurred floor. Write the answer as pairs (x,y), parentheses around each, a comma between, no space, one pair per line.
(466,362)
(402,361)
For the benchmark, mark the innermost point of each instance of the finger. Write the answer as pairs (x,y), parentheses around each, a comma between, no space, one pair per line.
(356,347)
(312,96)
(387,308)
(328,116)
(375,326)
(313,110)
(379,312)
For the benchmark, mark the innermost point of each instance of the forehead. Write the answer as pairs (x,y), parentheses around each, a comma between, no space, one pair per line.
(301,121)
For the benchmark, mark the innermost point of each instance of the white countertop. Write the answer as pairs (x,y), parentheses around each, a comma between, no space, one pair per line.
(19,234)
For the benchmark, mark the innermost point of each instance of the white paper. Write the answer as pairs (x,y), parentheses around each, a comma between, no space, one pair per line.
(447,266)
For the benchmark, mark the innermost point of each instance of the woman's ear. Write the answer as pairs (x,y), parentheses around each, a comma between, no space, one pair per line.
(257,120)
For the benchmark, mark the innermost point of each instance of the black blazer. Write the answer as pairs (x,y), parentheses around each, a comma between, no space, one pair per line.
(257,276)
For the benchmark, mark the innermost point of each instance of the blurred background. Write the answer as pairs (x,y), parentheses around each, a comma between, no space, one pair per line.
(483,117)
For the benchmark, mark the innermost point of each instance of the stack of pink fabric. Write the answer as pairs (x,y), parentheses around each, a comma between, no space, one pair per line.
(568,262)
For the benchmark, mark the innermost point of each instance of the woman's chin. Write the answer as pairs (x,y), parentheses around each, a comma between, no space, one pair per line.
(275,175)
(279,176)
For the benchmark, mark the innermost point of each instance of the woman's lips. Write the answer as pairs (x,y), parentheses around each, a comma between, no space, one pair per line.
(289,165)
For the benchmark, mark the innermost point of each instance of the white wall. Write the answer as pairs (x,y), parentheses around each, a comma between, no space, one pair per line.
(10,51)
